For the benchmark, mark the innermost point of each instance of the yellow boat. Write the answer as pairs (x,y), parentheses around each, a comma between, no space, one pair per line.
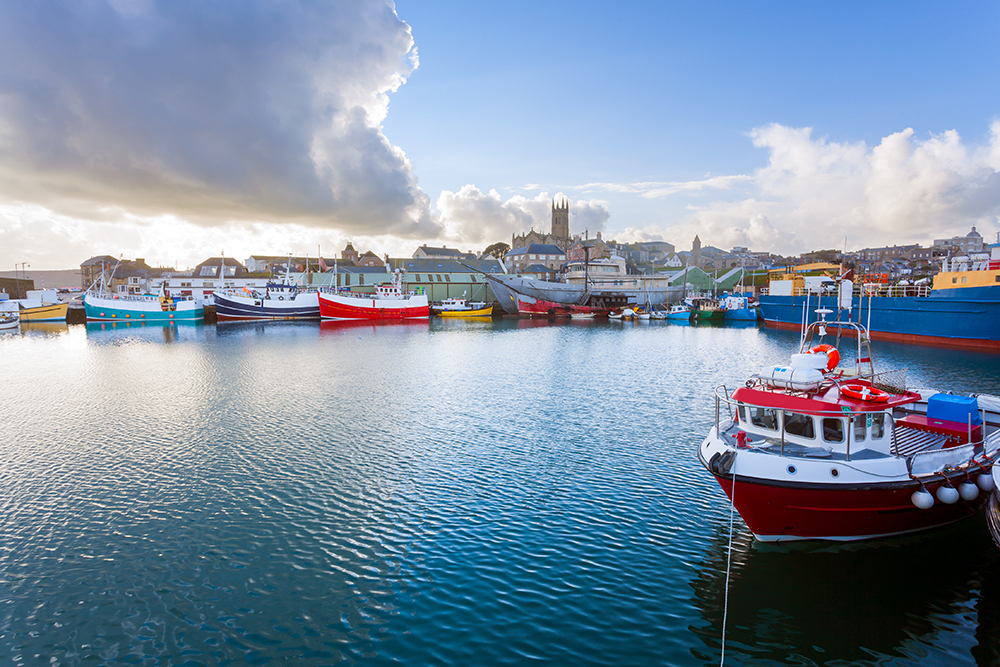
(469,312)
(50,312)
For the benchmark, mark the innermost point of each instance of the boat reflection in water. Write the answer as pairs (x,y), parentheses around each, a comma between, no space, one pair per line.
(930,599)
(327,327)
(150,332)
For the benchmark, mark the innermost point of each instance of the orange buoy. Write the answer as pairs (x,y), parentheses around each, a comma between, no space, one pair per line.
(832,355)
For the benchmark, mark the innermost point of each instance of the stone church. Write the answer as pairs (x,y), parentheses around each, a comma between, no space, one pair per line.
(560,231)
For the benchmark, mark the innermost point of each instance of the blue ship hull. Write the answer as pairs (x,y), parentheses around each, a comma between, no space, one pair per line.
(742,314)
(967,317)
(302,307)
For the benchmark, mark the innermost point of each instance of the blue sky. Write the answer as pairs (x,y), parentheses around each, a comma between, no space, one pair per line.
(176,130)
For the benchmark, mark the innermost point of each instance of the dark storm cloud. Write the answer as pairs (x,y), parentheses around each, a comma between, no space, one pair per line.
(209,110)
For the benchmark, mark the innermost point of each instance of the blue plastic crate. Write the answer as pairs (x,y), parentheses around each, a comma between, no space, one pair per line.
(953,408)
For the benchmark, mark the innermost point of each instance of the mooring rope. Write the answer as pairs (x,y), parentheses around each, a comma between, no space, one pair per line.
(729,563)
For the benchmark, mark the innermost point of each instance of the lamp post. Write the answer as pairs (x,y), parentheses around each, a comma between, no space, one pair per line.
(19,290)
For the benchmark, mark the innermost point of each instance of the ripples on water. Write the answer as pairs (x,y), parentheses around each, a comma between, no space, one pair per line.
(444,493)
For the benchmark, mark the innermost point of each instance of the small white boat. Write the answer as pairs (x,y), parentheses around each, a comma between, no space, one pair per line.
(9,321)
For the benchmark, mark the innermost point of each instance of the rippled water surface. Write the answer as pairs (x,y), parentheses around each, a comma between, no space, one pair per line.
(459,493)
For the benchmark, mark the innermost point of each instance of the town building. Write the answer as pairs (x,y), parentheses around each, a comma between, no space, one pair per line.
(583,249)
(277,264)
(549,256)
(444,252)
(962,245)
(882,254)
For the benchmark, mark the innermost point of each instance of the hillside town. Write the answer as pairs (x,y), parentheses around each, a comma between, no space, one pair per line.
(558,256)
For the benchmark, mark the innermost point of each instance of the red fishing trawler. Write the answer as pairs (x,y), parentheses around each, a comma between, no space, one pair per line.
(814,450)
(391,301)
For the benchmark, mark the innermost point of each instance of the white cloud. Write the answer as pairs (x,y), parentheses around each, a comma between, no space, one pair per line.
(479,218)
(208,111)
(659,190)
(815,193)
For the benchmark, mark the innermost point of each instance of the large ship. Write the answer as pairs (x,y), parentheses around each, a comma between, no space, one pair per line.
(507,286)
(961,309)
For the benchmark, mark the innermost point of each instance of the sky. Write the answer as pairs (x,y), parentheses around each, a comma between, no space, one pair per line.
(177,130)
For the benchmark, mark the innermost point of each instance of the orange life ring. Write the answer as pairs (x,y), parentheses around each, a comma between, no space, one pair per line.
(832,356)
(863,393)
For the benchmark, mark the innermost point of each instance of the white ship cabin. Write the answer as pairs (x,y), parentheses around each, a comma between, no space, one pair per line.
(829,434)
(612,272)
(840,422)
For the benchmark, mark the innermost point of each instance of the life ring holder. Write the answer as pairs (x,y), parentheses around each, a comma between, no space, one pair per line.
(863,393)
(832,355)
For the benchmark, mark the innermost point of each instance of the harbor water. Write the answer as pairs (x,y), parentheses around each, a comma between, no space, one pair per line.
(487,493)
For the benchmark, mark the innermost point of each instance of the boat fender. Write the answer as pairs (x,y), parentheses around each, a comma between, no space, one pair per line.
(984,481)
(968,491)
(722,463)
(922,499)
(947,494)
(832,355)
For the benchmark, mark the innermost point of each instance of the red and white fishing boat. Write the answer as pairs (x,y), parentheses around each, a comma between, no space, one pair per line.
(812,450)
(391,301)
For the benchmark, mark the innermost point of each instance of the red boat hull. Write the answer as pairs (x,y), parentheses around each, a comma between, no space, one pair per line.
(352,308)
(540,308)
(796,512)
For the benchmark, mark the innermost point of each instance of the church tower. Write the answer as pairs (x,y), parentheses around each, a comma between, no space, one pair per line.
(560,219)
(696,252)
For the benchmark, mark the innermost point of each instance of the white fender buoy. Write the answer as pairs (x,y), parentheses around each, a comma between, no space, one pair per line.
(968,491)
(922,499)
(947,494)
(985,482)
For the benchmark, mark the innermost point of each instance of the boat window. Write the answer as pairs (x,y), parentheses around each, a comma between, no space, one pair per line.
(861,427)
(764,418)
(878,425)
(802,425)
(833,429)
(743,413)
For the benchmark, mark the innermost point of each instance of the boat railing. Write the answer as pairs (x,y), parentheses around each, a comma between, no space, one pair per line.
(139,298)
(722,397)
(881,289)
(864,290)
(933,462)
(402,296)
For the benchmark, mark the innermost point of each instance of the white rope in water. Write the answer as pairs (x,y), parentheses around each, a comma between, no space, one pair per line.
(729,563)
